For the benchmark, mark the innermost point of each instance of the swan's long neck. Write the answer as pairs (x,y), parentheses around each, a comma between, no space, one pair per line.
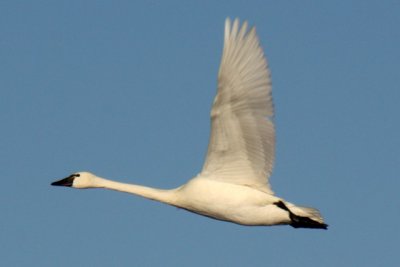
(165,196)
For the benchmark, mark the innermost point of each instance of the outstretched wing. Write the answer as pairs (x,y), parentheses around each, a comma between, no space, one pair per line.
(242,141)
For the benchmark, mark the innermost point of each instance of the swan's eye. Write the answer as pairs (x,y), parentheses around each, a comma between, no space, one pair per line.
(76,175)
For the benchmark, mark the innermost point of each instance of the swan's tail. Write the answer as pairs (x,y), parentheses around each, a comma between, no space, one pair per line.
(303,217)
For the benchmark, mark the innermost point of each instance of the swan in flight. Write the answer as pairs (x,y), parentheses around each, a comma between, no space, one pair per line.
(234,184)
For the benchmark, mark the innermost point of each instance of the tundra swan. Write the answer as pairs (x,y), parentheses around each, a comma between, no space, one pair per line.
(234,184)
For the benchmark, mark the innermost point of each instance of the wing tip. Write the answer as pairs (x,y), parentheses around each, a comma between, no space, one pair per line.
(236,29)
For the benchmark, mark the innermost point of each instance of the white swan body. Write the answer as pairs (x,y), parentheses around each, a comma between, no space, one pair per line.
(234,183)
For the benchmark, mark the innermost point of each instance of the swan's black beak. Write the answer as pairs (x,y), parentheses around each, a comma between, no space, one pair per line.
(65,182)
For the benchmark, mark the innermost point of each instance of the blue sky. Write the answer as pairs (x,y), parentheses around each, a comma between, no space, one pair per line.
(124,89)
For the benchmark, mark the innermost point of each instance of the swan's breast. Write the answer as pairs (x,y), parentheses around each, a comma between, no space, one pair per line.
(230,202)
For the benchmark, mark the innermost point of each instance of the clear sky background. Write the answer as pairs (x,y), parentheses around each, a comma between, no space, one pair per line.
(124,89)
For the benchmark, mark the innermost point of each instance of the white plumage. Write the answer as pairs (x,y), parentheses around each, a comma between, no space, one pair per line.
(234,182)
(242,142)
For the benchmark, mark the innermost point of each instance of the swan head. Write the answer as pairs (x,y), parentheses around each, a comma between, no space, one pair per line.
(78,180)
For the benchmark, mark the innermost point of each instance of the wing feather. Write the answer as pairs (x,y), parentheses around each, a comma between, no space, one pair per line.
(242,140)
